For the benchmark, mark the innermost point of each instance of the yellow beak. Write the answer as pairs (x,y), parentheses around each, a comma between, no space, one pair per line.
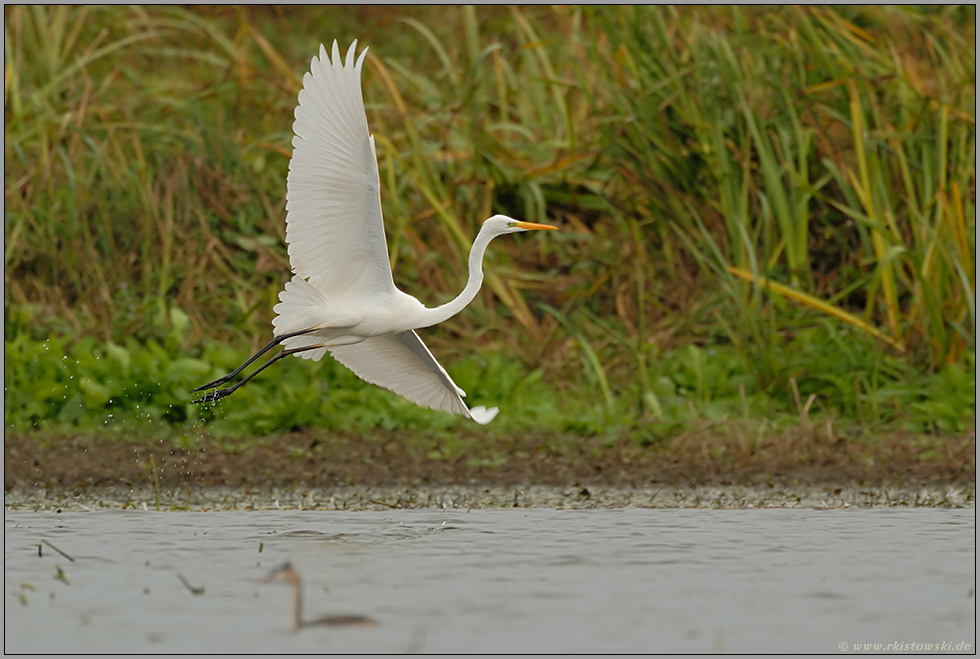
(531,226)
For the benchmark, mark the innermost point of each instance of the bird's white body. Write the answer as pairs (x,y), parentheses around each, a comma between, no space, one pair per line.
(346,315)
(342,297)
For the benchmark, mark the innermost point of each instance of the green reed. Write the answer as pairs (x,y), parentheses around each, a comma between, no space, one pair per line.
(770,185)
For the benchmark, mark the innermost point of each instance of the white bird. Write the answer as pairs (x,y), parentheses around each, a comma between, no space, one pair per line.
(342,297)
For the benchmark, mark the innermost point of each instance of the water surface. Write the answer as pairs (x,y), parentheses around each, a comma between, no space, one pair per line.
(513,580)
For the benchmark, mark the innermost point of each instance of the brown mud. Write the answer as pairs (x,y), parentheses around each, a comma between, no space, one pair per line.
(717,456)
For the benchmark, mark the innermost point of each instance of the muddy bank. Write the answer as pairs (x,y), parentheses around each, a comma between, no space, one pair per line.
(329,460)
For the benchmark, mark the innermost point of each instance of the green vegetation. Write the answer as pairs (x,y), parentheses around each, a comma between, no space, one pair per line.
(768,215)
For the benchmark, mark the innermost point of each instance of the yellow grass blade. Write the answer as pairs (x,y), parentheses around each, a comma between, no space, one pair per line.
(818,304)
(294,79)
(866,195)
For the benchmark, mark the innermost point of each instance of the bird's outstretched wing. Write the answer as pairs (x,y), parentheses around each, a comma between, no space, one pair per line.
(401,362)
(334,229)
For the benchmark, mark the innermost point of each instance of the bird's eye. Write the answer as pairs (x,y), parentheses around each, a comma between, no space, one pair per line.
(512,224)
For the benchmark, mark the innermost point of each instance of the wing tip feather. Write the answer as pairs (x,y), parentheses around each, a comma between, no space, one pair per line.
(482,415)
(334,59)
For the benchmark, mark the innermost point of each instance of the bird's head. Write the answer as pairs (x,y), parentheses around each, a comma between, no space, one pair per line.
(284,572)
(501,224)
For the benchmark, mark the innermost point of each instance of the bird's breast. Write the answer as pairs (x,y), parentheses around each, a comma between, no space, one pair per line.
(386,314)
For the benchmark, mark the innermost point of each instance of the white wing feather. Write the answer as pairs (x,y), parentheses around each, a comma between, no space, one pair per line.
(401,362)
(334,228)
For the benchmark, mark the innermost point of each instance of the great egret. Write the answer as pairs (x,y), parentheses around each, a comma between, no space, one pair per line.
(342,297)
(288,574)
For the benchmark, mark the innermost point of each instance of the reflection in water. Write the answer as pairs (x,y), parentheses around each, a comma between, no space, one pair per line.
(288,574)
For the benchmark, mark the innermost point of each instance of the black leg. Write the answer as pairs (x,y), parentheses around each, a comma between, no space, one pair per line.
(271,344)
(218,394)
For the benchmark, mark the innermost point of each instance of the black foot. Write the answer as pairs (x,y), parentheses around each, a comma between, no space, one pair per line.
(214,396)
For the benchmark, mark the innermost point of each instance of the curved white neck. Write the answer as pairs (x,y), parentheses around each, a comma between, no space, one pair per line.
(450,309)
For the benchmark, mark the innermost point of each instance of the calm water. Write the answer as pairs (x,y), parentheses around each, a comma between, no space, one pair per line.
(492,580)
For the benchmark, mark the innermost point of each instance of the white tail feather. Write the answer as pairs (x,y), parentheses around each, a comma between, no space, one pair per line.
(300,307)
